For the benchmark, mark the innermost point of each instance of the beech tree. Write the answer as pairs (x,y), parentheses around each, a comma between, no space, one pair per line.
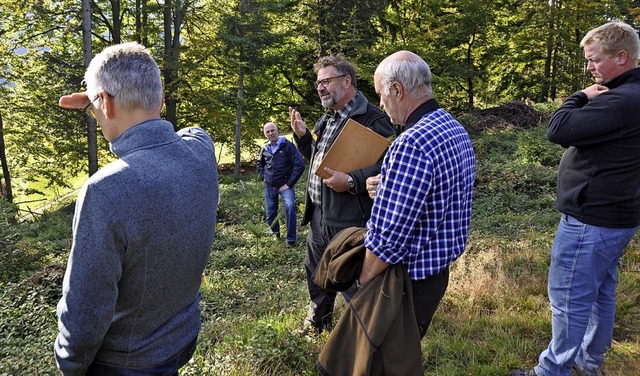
(231,66)
(6,190)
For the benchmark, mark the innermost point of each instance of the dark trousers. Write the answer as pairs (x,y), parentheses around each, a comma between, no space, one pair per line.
(168,368)
(427,294)
(322,301)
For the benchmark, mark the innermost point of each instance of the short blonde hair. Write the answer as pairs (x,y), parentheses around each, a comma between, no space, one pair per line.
(613,37)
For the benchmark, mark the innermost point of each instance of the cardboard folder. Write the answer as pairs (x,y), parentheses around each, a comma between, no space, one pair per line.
(355,147)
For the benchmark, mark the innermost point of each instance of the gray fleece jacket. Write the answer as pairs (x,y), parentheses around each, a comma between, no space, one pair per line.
(142,233)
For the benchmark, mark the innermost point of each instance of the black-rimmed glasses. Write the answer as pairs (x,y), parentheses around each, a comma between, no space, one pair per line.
(326,81)
(88,106)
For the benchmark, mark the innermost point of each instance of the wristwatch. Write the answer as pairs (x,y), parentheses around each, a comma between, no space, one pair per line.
(350,182)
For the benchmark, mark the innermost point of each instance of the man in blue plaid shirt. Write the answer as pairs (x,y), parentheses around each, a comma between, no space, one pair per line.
(422,205)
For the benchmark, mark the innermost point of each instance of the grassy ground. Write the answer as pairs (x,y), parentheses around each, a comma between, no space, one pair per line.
(495,314)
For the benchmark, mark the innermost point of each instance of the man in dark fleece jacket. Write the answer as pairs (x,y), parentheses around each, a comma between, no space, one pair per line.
(280,165)
(142,230)
(340,201)
(599,198)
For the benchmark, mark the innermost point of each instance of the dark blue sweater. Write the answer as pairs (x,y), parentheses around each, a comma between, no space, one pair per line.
(282,166)
(599,174)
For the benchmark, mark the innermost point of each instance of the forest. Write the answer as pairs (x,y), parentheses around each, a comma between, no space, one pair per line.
(230,66)
(500,66)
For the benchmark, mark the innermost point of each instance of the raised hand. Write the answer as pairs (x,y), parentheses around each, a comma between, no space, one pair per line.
(297,125)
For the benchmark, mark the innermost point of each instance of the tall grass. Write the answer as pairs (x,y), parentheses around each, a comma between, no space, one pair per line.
(495,314)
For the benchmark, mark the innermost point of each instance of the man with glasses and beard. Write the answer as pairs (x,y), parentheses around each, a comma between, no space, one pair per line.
(340,201)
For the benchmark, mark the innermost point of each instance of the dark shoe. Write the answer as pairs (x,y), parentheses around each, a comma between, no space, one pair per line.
(522,372)
(327,325)
(291,244)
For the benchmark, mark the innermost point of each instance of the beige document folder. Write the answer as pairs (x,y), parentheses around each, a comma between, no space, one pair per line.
(355,147)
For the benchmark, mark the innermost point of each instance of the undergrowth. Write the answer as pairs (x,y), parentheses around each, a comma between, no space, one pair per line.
(495,314)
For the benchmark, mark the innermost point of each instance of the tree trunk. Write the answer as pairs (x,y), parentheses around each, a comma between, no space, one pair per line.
(92,129)
(144,39)
(172,26)
(471,70)
(239,107)
(141,22)
(236,169)
(139,25)
(5,168)
(549,51)
(117,22)
(321,28)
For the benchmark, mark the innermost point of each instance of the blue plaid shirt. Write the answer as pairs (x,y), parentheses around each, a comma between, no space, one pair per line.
(422,209)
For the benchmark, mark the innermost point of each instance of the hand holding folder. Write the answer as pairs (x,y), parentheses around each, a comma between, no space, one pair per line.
(355,147)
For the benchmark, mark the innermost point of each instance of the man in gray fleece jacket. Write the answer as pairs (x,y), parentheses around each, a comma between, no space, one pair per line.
(142,230)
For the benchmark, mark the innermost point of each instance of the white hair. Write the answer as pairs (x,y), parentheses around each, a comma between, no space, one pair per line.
(128,73)
(410,70)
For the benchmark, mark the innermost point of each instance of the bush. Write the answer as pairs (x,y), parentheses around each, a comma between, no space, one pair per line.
(30,246)
(9,235)
(534,148)
(28,324)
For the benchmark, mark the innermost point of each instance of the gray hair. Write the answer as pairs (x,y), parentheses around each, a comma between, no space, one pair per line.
(342,65)
(128,73)
(613,37)
(411,71)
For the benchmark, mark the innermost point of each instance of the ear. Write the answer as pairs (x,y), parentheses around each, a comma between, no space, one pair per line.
(622,57)
(107,105)
(397,90)
(348,83)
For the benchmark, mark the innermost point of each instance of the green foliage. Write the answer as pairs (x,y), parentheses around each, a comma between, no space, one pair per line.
(8,231)
(30,246)
(28,323)
(41,60)
(31,271)
(495,314)
(533,148)
(515,181)
(481,53)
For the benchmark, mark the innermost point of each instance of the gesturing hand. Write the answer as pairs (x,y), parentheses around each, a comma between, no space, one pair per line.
(297,125)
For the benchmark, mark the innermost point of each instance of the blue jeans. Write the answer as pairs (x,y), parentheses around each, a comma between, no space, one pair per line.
(271,195)
(168,368)
(582,285)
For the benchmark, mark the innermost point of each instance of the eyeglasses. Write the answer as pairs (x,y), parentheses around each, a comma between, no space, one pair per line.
(88,106)
(325,82)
